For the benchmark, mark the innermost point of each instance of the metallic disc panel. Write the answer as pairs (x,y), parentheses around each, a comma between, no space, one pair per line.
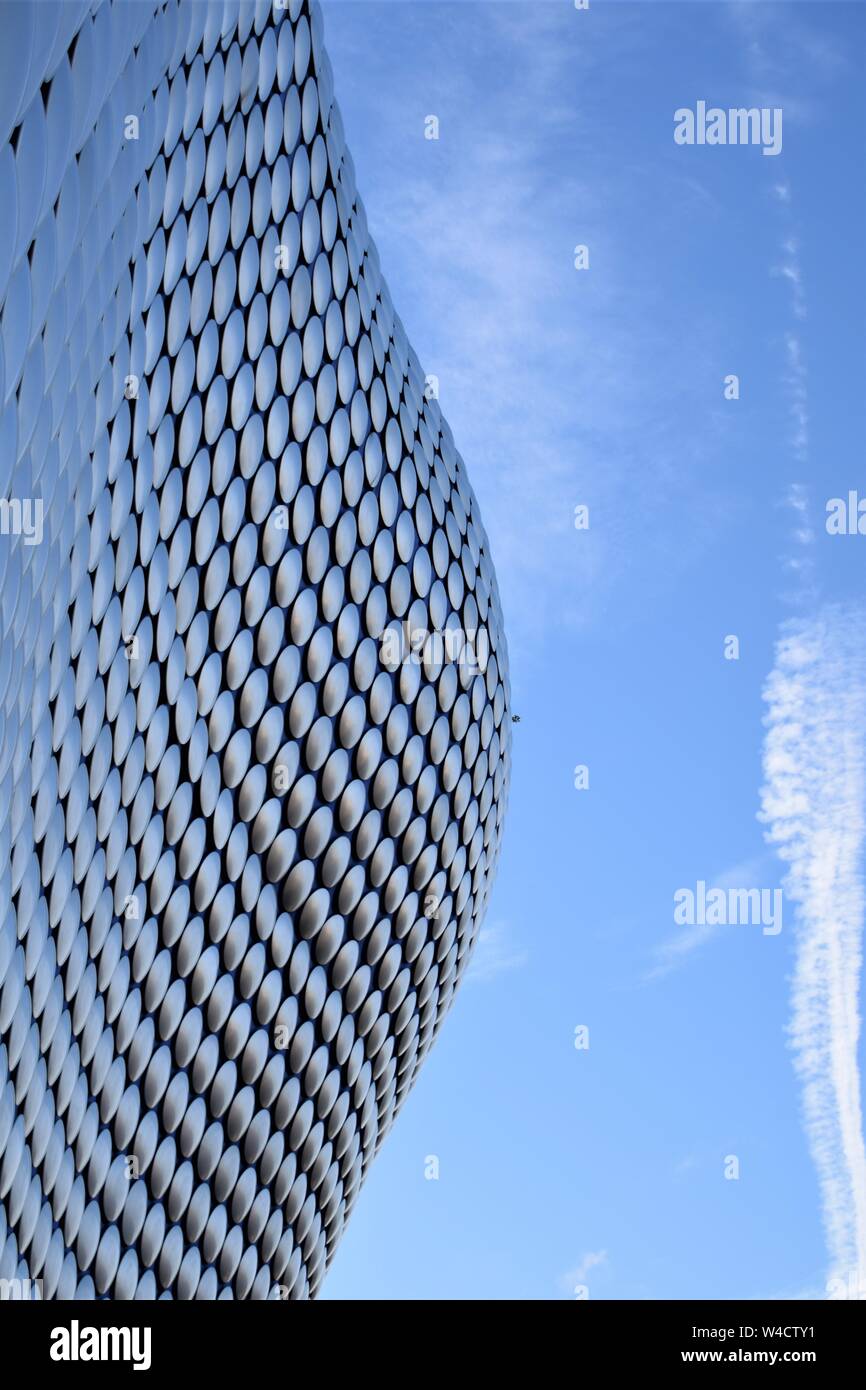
(254,702)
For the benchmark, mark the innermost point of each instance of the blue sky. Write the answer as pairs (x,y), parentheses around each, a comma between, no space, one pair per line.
(605,1167)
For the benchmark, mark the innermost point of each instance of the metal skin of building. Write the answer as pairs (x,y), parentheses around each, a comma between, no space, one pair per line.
(254,701)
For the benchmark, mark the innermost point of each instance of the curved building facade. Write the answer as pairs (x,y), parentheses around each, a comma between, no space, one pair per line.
(254,707)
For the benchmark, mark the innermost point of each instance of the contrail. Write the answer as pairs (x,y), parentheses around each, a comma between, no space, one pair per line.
(813,803)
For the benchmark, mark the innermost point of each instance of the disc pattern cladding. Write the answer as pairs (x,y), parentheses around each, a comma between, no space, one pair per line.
(248,830)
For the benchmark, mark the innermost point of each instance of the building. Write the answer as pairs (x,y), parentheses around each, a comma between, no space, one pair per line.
(245,850)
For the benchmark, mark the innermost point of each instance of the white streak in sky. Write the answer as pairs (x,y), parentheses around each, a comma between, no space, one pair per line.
(495,954)
(813,803)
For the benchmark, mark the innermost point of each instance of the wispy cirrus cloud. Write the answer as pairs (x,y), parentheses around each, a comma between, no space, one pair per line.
(795,377)
(795,382)
(790,59)
(789,269)
(814,750)
(813,805)
(562,386)
(678,948)
(798,394)
(496,953)
(576,1278)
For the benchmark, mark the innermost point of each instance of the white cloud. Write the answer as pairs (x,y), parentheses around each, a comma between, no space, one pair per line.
(802,562)
(558,384)
(785,53)
(809,1293)
(496,953)
(593,1259)
(676,949)
(798,500)
(813,804)
(791,271)
(795,373)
